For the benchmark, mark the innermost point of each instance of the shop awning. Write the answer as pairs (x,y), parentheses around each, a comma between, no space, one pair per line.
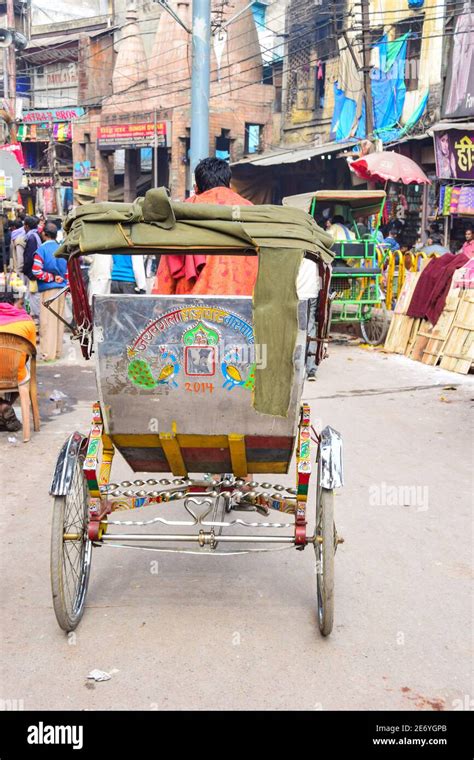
(443,126)
(276,158)
(407,138)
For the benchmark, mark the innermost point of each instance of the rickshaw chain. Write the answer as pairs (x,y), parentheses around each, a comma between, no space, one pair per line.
(112,488)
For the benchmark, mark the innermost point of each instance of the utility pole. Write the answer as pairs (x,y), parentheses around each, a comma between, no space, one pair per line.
(369,111)
(155,151)
(53,167)
(200,83)
(11,68)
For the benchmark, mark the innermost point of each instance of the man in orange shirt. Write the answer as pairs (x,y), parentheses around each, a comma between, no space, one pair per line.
(14,319)
(206,275)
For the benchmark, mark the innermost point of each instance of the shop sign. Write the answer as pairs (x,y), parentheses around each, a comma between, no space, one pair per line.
(54,114)
(454,150)
(89,186)
(82,170)
(117,136)
(459,89)
(56,76)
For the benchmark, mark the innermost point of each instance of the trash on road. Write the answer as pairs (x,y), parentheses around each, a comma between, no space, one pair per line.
(99,675)
(12,439)
(60,399)
(57,396)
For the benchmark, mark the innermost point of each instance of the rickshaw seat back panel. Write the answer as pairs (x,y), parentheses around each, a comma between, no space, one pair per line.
(352,249)
(175,376)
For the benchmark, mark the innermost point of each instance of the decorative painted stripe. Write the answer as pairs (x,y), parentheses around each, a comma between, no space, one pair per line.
(272,455)
(269,442)
(151,440)
(152,460)
(264,468)
(211,455)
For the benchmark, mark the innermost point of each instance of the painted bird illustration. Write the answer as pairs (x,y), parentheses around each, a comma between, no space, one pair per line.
(165,374)
(139,372)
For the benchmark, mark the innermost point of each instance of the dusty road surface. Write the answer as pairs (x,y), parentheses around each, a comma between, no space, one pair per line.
(235,633)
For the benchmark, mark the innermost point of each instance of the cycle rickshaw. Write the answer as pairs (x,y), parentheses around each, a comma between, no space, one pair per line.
(356,292)
(196,392)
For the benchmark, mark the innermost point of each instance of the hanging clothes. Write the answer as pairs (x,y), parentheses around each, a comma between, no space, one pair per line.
(442,192)
(68,200)
(351,77)
(388,86)
(447,200)
(49,205)
(466,201)
(454,204)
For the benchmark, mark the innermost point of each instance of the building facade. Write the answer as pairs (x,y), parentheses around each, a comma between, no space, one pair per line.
(151,96)
(55,91)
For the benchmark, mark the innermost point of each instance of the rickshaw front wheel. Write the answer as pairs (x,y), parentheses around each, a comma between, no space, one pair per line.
(71,551)
(324,547)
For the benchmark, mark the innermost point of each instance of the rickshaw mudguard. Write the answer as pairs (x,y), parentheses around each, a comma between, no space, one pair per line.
(332,472)
(64,470)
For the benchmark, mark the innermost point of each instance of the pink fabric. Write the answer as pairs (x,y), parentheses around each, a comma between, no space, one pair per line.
(186,266)
(10,313)
(468,249)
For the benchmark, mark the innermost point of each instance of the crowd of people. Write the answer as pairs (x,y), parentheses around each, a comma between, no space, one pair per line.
(392,238)
(29,244)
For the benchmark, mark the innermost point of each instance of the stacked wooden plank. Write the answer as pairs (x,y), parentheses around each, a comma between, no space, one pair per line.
(451,340)
(458,352)
(402,328)
(430,339)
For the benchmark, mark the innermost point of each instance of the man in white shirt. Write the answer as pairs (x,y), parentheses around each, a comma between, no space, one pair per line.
(308,285)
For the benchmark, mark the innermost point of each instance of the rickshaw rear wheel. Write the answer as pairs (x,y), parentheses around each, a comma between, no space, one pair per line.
(374,330)
(71,558)
(324,547)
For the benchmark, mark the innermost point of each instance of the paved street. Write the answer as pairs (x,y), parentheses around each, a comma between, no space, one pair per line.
(236,633)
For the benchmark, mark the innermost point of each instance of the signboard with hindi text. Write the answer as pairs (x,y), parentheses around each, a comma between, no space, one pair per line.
(454,150)
(52,114)
(117,136)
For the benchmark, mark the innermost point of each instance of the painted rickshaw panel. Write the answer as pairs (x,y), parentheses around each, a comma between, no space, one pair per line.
(178,364)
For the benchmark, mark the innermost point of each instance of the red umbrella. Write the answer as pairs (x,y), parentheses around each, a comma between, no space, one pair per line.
(387,165)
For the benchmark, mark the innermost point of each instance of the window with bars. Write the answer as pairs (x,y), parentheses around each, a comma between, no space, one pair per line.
(253,138)
(414,26)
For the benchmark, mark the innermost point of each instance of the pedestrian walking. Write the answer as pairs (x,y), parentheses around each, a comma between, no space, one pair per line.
(51,275)
(100,271)
(128,274)
(32,243)
(17,246)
